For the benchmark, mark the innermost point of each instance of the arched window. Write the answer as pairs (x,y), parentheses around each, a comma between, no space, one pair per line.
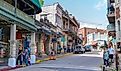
(118,25)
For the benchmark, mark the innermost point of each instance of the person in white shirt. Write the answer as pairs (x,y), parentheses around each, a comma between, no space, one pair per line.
(111,51)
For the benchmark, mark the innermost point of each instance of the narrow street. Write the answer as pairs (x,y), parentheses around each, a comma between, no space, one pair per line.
(77,62)
(31,31)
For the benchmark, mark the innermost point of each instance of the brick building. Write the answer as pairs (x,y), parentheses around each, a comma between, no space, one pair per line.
(85,31)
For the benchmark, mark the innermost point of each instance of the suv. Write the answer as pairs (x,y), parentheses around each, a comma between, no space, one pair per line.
(79,49)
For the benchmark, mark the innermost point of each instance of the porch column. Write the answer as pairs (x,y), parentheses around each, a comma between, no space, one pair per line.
(12,59)
(33,48)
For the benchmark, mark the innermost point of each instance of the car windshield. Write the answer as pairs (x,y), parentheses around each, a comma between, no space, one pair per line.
(89,46)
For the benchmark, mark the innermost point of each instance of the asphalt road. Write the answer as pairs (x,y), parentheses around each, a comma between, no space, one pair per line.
(77,62)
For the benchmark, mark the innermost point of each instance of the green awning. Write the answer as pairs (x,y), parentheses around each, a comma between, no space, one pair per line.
(38,3)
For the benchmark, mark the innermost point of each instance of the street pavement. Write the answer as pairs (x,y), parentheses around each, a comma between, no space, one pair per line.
(77,62)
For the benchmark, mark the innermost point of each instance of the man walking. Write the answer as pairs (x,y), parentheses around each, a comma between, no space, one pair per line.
(111,52)
(106,57)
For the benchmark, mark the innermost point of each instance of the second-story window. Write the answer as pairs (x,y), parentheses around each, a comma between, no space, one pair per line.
(117,12)
(58,20)
(64,25)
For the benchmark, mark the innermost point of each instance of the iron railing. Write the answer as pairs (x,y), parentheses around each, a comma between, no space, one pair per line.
(18,13)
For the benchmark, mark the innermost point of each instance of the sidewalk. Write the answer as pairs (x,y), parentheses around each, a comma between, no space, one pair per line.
(113,68)
(39,60)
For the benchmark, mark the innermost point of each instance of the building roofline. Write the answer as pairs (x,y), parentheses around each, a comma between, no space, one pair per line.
(93,28)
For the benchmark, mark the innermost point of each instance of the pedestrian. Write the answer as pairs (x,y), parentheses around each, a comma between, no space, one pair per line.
(111,52)
(68,49)
(59,48)
(52,55)
(26,56)
(64,49)
(29,60)
(20,56)
(106,57)
(29,51)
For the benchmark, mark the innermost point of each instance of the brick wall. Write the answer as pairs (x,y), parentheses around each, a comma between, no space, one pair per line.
(84,31)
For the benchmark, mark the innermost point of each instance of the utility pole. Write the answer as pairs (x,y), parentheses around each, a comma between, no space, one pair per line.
(115,45)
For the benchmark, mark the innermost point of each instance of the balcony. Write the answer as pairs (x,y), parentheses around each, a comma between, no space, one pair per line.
(65,30)
(8,11)
(65,27)
(111,14)
(72,32)
(111,27)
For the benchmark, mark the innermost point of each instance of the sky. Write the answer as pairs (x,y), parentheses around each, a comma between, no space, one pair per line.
(88,12)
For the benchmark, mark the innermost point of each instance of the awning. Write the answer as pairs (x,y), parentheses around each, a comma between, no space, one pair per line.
(46,32)
(39,4)
(36,4)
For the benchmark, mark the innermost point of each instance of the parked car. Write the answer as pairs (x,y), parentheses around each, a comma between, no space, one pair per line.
(78,49)
(88,48)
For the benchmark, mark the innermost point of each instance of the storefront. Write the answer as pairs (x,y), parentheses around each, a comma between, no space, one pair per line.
(44,38)
(16,23)
(4,44)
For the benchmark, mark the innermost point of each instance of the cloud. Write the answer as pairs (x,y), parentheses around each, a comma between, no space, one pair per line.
(101,4)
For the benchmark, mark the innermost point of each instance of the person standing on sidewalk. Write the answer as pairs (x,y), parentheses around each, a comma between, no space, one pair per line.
(111,52)
(106,57)
(52,55)
(65,50)
(20,55)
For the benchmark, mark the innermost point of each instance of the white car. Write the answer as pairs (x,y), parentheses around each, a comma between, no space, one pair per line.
(79,49)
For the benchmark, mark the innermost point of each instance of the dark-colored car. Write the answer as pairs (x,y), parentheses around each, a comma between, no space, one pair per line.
(88,48)
(78,49)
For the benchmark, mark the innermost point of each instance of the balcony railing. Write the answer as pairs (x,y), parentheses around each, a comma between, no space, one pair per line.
(111,9)
(112,1)
(72,31)
(11,10)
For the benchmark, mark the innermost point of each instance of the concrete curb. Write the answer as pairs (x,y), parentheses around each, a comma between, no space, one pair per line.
(37,62)
(58,56)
